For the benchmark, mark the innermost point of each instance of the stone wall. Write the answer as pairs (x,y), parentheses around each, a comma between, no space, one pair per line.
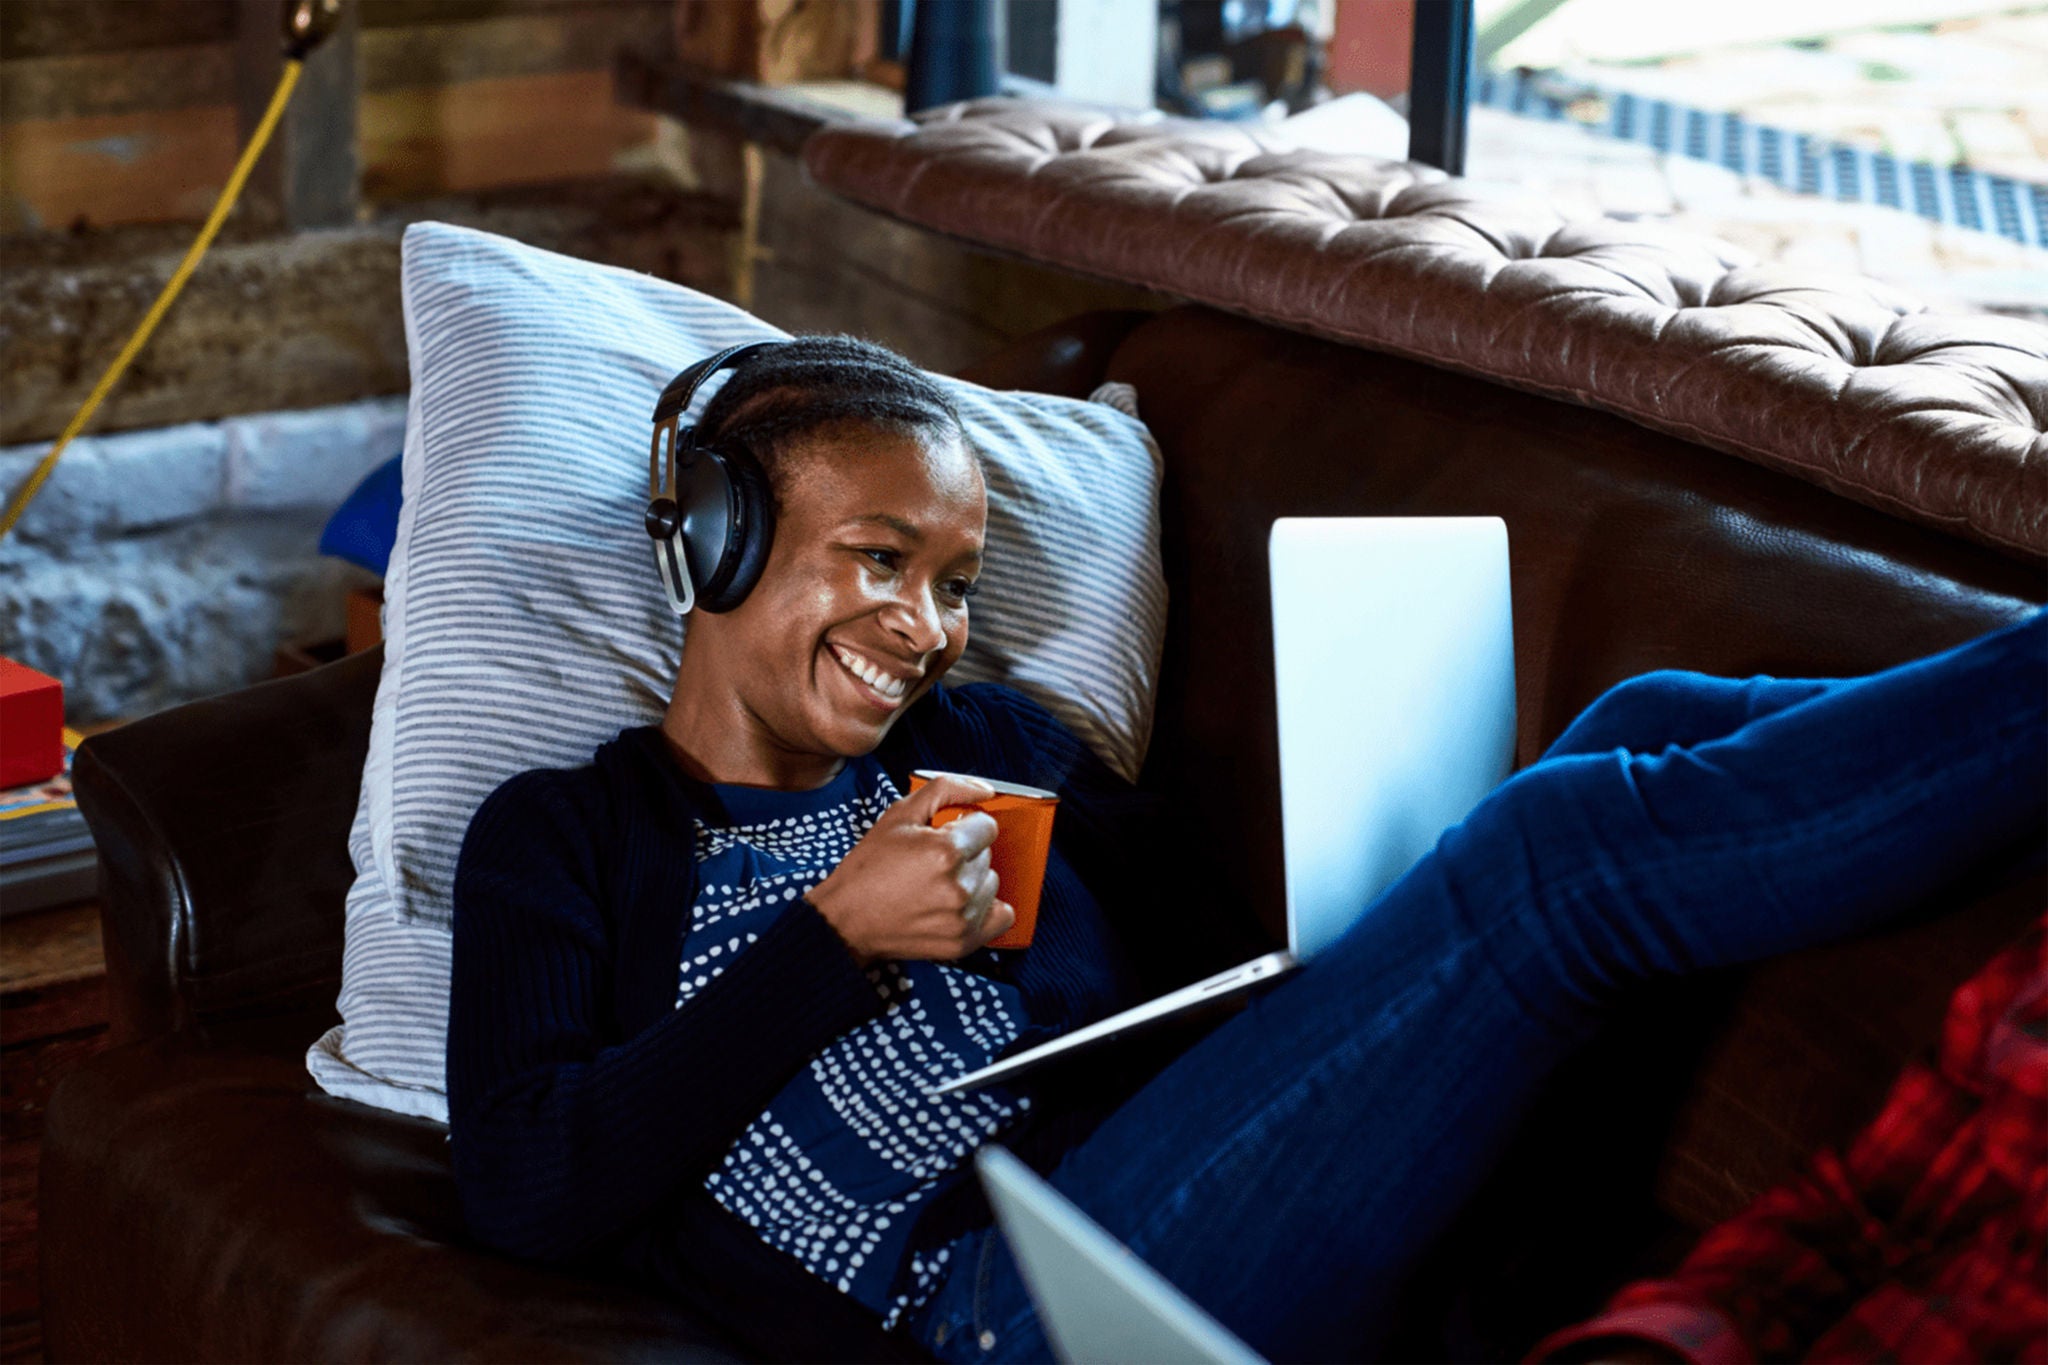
(161,565)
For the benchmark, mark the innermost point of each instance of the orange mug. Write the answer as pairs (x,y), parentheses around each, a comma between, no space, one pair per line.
(1023,817)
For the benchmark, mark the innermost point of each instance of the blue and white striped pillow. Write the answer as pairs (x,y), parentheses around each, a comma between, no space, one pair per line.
(524,623)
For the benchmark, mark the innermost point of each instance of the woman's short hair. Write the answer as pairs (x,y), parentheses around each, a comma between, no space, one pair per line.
(811,384)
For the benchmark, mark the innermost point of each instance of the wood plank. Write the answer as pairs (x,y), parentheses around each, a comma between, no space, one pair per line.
(585,38)
(58,28)
(50,1010)
(155,166)
(50,947)
(308,176)
(328,305)
(76,85)
(110,138)
(777,41)
(423,141)
(525,44)
(403,13)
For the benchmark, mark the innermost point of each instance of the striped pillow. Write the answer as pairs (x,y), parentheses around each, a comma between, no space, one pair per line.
(524,623)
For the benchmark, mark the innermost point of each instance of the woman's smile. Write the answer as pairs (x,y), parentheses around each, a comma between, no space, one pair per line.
(881,686)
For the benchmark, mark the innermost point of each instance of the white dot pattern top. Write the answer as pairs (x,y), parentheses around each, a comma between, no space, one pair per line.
(836,1169)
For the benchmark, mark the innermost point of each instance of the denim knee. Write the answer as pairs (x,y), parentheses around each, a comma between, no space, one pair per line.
(1637,711)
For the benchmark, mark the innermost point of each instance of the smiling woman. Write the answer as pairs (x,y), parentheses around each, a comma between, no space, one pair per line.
(823,937)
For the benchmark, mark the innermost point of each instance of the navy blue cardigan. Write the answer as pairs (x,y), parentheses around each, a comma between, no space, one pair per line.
(585,1110)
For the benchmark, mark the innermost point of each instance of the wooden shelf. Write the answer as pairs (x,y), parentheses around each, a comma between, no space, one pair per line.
(52,947)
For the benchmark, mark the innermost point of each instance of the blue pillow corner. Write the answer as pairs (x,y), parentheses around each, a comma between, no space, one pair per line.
(365,527)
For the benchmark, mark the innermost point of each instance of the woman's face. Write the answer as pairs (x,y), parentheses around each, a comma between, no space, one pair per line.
(862,604)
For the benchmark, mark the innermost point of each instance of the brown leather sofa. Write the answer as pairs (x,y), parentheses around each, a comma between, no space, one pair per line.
(201,1200)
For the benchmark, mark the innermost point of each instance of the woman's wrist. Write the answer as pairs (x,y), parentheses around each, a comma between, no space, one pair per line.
(829,908)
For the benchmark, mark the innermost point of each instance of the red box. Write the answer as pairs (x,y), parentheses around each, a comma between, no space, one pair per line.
(31,725)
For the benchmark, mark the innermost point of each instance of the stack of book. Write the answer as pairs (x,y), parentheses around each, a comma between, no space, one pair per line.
(46,853)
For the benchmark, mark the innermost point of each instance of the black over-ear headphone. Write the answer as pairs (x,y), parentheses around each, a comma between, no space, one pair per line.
(710,511)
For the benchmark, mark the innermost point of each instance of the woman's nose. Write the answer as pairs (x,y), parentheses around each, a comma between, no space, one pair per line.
(914,616)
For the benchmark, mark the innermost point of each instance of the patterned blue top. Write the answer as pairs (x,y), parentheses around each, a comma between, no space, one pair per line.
(833,1172)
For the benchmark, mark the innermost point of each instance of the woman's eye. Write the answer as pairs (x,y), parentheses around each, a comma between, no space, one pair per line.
(961,589)
(885,558)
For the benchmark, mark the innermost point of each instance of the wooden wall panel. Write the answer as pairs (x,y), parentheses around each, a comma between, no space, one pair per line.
(426,140)
(81,84)
(520,44)
(114,168)
(776,42)
(122,111)
(59,28)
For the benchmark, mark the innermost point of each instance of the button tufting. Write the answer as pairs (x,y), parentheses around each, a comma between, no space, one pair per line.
(1484,272)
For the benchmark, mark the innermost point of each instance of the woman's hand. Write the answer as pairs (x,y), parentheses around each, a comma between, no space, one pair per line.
(909,891)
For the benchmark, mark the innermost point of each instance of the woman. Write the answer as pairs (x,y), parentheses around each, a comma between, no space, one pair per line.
(701,984)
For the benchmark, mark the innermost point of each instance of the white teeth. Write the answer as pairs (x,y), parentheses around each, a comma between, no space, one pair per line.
(867,672)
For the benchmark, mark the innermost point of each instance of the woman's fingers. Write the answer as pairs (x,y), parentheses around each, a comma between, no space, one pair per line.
(972,871)
(979,900)
(971,834)
(1001,915)
(922,805)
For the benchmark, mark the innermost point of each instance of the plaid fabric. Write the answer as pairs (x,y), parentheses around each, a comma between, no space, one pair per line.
(1926,1241)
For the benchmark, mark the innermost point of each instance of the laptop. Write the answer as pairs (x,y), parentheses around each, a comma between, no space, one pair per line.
(1096,1300)
(1394,674)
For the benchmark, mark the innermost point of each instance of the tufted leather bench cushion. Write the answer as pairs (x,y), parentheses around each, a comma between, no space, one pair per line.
(1842,381)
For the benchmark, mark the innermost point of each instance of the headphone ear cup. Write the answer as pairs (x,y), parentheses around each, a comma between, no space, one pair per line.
(746,551)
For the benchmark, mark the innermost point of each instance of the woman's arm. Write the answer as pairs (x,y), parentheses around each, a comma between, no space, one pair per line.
(565,1136)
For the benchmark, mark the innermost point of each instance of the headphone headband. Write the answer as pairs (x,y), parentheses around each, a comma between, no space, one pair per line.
(675,400)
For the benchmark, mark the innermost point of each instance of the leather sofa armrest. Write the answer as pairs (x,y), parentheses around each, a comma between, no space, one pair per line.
(222,828)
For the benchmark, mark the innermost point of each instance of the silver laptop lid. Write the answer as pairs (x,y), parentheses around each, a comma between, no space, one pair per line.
(1096,1301)
(1393,659)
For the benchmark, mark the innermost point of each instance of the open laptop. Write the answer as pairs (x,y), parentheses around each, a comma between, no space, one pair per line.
(1096,1300)
(1394,673)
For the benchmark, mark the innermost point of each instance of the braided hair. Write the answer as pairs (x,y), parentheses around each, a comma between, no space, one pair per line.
(811,384)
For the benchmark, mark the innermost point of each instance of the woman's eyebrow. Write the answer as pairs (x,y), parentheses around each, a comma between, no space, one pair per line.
(907,530)
(894,523)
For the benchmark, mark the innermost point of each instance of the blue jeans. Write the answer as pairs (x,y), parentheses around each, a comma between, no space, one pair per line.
(1289,1168)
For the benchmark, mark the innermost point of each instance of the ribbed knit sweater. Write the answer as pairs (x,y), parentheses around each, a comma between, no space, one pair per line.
(586,1110)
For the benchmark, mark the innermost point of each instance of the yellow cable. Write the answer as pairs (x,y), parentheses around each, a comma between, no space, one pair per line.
(228,195)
